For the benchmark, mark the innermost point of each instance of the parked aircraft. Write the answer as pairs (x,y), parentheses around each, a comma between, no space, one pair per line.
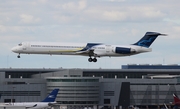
(87,49)
(176,102)
(48,101)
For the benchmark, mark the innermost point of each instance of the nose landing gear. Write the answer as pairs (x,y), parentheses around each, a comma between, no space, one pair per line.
(18,56)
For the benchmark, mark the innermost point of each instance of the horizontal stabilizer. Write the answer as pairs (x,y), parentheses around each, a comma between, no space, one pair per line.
(154,33)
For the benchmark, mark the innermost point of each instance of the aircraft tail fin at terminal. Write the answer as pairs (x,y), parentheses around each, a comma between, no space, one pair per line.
(176,102)
(52,96)
(176,99)
(148,39)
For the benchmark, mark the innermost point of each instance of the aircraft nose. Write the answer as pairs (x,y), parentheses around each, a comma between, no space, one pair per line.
(14,49)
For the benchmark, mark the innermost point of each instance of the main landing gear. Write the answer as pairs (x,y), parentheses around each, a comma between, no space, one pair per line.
(18,56)
(92,59)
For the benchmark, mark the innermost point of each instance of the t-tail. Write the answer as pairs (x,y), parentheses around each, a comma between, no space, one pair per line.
(148,39)
(52,96)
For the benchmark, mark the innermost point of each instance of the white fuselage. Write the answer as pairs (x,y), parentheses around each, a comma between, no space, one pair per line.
(29,105)
(55,48)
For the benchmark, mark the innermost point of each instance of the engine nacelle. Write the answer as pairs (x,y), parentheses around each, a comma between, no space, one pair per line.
(123,50)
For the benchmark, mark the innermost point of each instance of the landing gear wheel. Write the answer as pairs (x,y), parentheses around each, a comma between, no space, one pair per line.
(94,60)
(90,59)
(18,56)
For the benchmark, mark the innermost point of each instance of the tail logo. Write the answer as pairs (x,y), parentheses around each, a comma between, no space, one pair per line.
(51,96)
(145,42)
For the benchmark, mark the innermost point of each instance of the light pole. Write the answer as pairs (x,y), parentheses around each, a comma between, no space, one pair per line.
(13,96)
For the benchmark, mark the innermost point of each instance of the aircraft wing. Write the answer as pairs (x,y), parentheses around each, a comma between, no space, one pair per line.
(89,52)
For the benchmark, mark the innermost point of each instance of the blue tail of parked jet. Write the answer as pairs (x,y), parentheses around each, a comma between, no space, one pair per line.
(52,96)
(148,39)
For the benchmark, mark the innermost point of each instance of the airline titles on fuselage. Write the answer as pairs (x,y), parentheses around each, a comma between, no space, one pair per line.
(53,46)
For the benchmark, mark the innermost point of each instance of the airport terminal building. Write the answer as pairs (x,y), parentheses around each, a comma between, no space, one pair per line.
(144,86)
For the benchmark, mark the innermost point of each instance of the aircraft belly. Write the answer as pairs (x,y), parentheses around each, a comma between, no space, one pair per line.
(116,55)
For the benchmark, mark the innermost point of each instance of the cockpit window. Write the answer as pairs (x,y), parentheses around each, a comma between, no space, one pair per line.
(20,44)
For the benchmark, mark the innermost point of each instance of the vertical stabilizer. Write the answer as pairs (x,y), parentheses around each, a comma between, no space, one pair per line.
(52,96)
(148,39)
(176,99)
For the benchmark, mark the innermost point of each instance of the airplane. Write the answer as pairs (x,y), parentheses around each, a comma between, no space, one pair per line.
(48,101)
(87,49)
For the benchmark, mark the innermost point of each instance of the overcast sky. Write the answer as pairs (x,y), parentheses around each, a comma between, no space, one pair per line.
(105,21)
